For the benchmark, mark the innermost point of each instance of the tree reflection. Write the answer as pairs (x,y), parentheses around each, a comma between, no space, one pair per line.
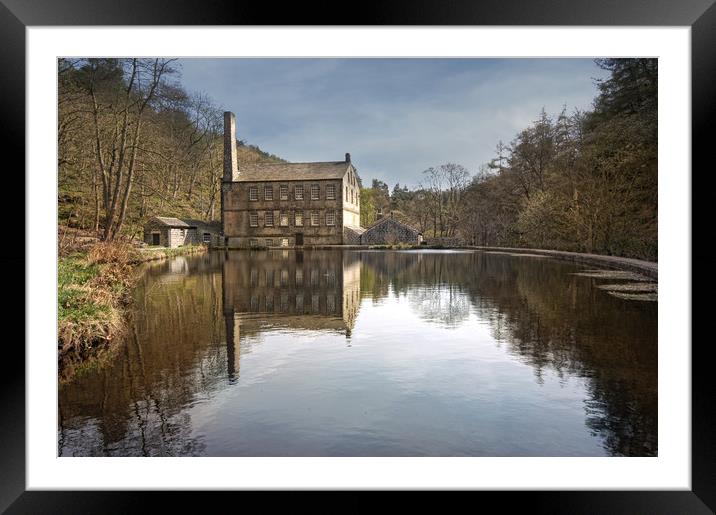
(549,319)
(175,354)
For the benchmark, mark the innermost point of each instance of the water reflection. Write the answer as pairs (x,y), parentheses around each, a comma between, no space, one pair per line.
(290,290)
(518,355)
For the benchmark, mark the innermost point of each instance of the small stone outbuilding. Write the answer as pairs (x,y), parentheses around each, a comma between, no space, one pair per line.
(173,232)
(207,233)
(389,231)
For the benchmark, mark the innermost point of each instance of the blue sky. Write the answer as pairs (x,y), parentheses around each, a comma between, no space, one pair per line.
(397,117)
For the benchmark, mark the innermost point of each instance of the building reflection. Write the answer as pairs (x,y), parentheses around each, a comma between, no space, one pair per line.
(287,289)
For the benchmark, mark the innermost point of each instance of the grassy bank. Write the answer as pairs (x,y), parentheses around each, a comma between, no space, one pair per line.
(94,286)
(153,253)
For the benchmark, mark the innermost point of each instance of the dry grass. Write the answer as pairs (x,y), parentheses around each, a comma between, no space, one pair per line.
(112,252)
(93,290)
(72,241)
(95,281)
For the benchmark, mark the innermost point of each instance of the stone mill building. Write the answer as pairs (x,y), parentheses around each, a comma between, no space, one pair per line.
(287,204)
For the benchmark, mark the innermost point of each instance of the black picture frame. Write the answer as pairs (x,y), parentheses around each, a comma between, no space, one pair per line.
(700,15)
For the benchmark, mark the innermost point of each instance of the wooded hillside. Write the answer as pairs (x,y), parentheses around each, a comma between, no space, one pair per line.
(585,181)
(134,144)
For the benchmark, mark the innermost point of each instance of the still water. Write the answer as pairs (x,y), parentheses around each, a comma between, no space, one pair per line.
(371,353)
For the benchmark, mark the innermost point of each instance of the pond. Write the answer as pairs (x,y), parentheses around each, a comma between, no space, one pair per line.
(371,353)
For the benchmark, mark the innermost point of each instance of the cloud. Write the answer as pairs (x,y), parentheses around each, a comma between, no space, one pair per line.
(396,117)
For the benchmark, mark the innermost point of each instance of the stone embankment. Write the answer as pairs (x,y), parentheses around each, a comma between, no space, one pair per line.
(647,268)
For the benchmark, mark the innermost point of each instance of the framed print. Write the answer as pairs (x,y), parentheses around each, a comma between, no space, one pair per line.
(412,249)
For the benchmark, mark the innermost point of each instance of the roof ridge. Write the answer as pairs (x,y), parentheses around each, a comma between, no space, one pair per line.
(284,163)
(317,170)
(388,217)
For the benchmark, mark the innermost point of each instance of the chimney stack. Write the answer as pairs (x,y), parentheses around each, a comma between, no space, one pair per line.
(348,157)
(231,166)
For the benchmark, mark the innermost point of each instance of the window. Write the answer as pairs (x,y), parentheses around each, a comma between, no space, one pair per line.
(353,197)
(331,192)
(269,242)
(315,191)
(299,277)
(206,238)
(268,192)
(284,243)
(346,193)
(314,218)
(283,220)
(284,274)
(298,192)
(268,219)
(299,219)
(330,218)
(253,193)
(283,192)
(254,219)
(253,242)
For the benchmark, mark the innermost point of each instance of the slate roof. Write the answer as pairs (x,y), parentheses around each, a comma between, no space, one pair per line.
(292,171)
(393,220)
(202,223)
(171,222)
(357,230)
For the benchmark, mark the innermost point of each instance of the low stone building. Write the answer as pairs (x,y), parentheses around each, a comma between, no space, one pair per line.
(173,232)
(202,232)
(389,231)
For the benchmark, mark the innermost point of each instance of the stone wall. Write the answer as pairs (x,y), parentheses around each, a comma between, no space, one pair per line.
(150,230)
(446,241)
(179,237)
(351,198)
(213,229)
(237,209)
